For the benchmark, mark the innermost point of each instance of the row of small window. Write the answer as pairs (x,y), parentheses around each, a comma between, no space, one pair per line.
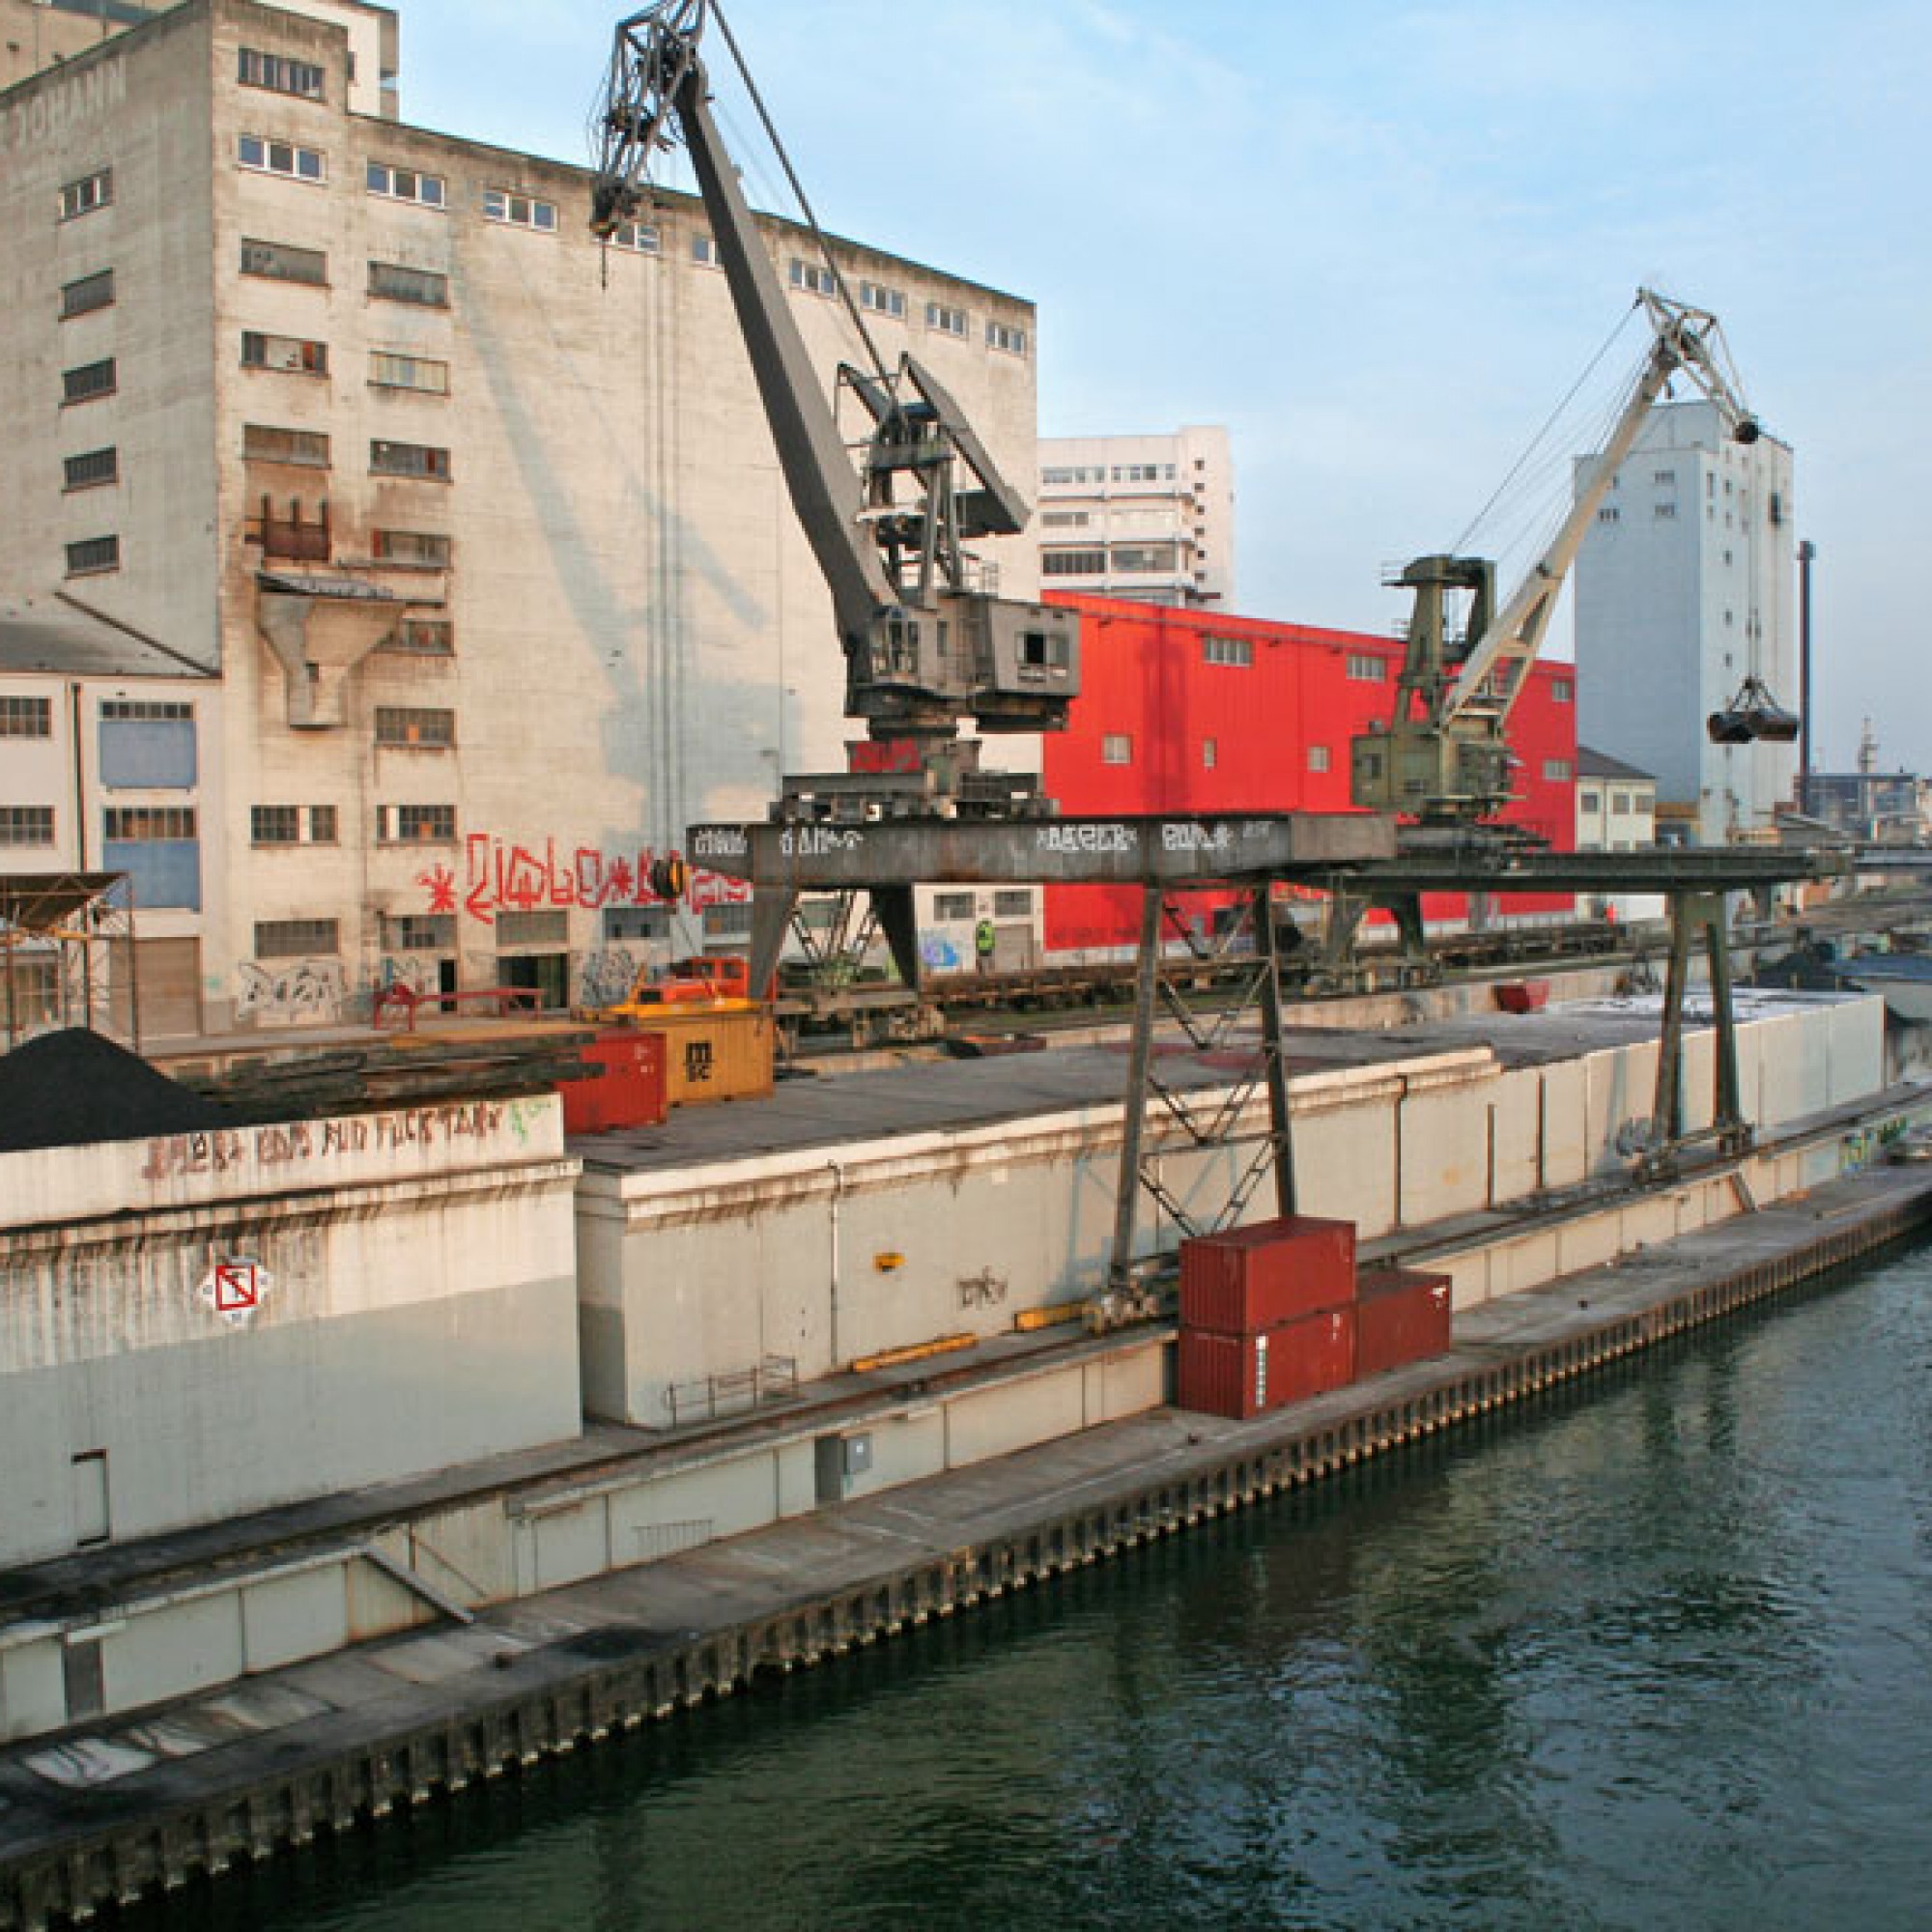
(1116,748)
(34,717)
(122,824)
(433,932)
(280,262)
(1064,477)
(317,824)
(1622,802)
(1014,902)
(308,450)
(1663,512)
(1139,558)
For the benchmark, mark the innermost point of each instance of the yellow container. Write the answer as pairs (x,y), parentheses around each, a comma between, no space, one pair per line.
(715,1053)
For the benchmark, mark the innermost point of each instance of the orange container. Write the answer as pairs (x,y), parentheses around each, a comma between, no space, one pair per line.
(1251,1278)
(1245,1376)
(1402,1315)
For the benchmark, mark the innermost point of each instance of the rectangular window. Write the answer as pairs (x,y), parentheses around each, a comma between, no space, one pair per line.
(92,555)
(948,320)
(998,335)
(83,196)
(1058,479)
(140,824)
(264,443)
(1073,563)
(1562,690)
(882,301)
(26,825)
(409,459)
(1665,511)
(291,354)
(26,718)
(1588,800)
(292,824)
(388,371)
(1014,904)
(639,237)
(1367,667)
(391,281)
(1557,771)
(813,277)
(1667,477)
(953,906)
(1238,652)
(1608,515)
(1318,758)
(148,746)
(635,922)
(1036,650)
(90,468)
(262,156)
(420,932)
(421,637)
(1066,520)
(279,261)
(415,824)
(518,210)
(296,938)
(1620,802)
(87,294)
(279,74)
(419,550)
(405,184)
(147,710)
(1116,748)
(90,380)
(726,922)
(1210,752)
(431,730)
(531,929)
(159,849)
(703,250)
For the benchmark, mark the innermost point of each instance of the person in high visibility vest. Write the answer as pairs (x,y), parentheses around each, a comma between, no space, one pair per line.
(983,945)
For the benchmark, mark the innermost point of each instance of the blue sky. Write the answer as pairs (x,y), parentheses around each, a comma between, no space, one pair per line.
(1378,240)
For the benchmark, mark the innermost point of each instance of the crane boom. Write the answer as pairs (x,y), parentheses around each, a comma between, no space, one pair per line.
(1444,758)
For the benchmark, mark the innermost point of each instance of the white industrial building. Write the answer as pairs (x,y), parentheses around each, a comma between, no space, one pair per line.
(1685,590)
(469,534)
(1145,517)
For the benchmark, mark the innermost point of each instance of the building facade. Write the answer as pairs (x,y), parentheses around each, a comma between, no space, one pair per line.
(1685,588)
(1145,517)
(1616,804)
(473,528)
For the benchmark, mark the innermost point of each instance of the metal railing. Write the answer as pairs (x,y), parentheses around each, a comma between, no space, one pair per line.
(774,1379)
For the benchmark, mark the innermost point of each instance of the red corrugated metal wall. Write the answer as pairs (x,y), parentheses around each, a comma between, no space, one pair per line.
(1279,727)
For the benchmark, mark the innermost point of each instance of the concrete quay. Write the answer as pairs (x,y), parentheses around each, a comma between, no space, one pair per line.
(110,1811)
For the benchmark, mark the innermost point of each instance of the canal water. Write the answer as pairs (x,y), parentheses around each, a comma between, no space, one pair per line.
(1655,1653)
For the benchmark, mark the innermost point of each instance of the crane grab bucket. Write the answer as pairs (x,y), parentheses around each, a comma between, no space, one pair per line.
(1753,716)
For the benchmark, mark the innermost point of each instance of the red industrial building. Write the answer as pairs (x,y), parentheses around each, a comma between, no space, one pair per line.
(1193,711)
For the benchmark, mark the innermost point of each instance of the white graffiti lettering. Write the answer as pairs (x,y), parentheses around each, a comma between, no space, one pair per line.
(1087,838)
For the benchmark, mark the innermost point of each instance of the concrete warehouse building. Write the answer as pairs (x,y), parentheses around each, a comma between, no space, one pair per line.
(1684,587)
(468,532)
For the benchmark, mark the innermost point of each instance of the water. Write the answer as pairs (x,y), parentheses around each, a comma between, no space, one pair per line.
(1656,1653)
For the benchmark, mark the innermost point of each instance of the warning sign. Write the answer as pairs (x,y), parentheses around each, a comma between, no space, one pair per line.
(234,1290)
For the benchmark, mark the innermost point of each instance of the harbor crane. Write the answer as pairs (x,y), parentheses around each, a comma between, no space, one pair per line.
(1443,757)
(929,643)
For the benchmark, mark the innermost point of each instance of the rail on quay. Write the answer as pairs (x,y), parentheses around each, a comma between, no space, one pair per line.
(548,1675)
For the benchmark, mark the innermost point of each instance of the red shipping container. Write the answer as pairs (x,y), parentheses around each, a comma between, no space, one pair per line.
(1245,1376)
(628,1089)
(1251,1278)
(1402,1315)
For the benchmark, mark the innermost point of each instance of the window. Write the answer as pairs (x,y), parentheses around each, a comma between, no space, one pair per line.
(1141,560)
(1238,652)
(1318,758)
(1589,800)
(417,549)
(420,932)
(703,250)
(1367,667)
(292,824)
(388,371)
(1012,902)
(634,922)
(92,555)
(87,294)
(141,824)
(531,929)
(421,637)
(26,718)
(147,711)
(291,354)
(262,156)
(882,301)
(279,74)
(518,210)
(147,743)
(405,184)
(1073,563)
(84,196)
(1561,691)
(279,261)
(726,922)
(295,938)
(432,730)
(1620,802)
(954,907)
(998,335)
(1037,650)
(1608,515)
(26,825)
(391,281)
(1066,520)
(1667,477)
(88,381)
(641,238)
(1210,752)
(415,824)
(1116,748)
(92,468)
(1665,511)
(949,320)
(409,459)
(261,443)
(1557,771)
(813,277)
(1058,479)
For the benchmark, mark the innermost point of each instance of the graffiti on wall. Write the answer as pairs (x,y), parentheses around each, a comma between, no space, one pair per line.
(502,875)
(293,989)
(303,1144)
(605,976)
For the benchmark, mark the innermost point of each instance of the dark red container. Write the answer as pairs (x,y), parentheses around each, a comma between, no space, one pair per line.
(1251,1278)
(1245,1376)
(628,1089)
(1522,996)
(1402,1315)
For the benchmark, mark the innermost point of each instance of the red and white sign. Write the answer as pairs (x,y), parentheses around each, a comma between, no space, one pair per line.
(236,1289)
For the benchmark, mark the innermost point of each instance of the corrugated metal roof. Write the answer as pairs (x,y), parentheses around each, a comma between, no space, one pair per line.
(50,634)
(1593,764)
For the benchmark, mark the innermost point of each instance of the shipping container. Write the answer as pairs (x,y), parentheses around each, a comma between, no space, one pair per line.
(627,1090)
(1402,1315)
(1249,1279)
(1522,996)
(715,1053)
(1245,1376)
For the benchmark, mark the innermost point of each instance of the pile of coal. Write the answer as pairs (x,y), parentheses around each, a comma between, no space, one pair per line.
(73,1087)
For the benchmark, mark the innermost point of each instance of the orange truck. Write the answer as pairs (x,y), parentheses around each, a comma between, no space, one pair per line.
(713,980)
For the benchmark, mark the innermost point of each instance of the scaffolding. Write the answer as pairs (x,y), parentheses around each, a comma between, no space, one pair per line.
(66,954)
